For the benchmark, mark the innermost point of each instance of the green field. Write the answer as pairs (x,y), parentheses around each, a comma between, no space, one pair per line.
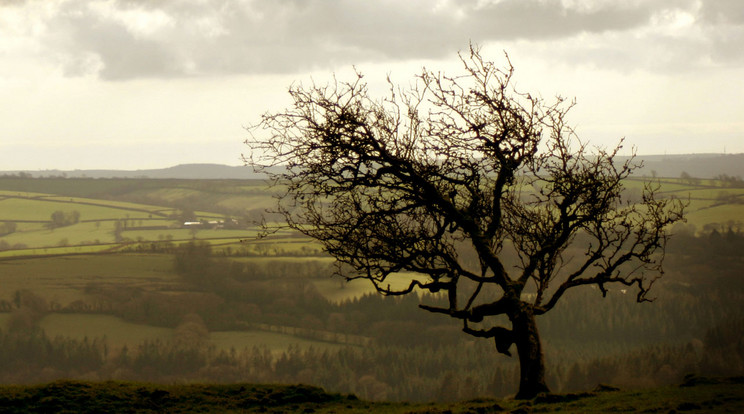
(64,279)
(119,333)
(723,215)
(18,209)
(33,232)
(146,210)
(710,204)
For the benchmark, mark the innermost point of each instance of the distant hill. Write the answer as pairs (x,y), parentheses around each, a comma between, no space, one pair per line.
(696,165)
(183,171)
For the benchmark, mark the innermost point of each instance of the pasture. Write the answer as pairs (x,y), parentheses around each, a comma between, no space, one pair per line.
(64,279)
(119,333)
(711,205)
(99,222)
(40,208)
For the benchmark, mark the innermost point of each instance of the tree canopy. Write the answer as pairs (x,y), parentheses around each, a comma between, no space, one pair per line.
(484,191)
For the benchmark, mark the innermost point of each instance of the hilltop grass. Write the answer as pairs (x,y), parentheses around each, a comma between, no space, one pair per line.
(708,396)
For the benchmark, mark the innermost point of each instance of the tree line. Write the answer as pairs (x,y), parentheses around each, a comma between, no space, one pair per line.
(377,372)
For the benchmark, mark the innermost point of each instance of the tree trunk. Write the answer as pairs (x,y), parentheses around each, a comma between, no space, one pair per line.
(531,359)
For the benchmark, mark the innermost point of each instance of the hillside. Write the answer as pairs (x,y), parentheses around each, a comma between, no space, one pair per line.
(101,279)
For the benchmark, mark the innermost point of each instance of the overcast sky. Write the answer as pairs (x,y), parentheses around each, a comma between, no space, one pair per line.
(135,84)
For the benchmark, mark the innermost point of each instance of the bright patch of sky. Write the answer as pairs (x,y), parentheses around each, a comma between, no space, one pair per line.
(147,84)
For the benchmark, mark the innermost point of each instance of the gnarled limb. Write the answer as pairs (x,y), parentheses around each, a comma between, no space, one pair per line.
(503,338)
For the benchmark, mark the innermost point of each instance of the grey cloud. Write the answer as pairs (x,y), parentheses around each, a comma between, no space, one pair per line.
(76,35)
(270,36)
(538,20)
(123,55)
(724,25)
(722,11)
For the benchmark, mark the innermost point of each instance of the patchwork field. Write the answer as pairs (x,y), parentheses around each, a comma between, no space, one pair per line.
(105,221)
(115,238)
(60,261)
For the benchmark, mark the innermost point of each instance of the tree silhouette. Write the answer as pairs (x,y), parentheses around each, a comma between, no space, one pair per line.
(483,191)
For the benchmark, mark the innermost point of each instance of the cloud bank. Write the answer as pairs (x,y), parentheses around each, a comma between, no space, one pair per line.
(128,39)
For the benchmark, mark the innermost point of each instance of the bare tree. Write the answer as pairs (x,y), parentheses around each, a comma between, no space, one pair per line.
(448,178)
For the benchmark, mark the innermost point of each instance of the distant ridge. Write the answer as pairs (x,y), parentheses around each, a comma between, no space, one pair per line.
(182,171)
(696,165)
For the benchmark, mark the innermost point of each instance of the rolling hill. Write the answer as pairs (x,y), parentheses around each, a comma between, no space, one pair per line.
(673,165)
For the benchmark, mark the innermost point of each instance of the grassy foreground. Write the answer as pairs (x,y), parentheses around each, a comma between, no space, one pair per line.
(697,394)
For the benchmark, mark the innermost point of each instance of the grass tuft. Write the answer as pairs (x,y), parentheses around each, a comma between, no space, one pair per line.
(695,395)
